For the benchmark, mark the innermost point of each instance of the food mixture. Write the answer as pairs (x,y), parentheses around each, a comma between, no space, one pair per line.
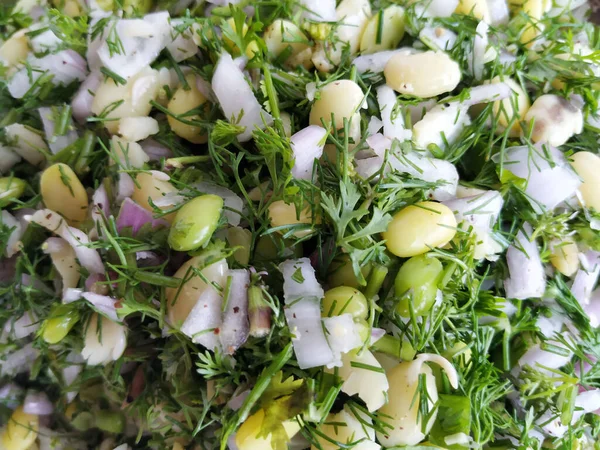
(299,224)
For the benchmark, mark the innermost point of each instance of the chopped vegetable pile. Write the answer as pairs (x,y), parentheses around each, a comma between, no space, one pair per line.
(294,224)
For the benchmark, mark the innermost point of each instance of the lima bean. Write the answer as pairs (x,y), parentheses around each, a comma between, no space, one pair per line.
(392,30)
(417,283)
(587,166)
(195,223)
(63,192)
(11,189)
(345,300)
(342,98)
(21,430)
(182,102)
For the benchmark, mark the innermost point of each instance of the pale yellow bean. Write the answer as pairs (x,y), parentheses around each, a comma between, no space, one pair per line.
(104,342)
(535,9)
(477,8)
(251,48)
(587,166)
(565,256)
(63,192)
(131,99)
(148,186)
(283,34)
(129,154)
(341,98)
(21,431)
(180,301)
(417,228)
(555,120)
(392,26)
(282,214)
(15,48)
(423,75)
(242,238)
(347,428)
(286,121)
(182,102)
(504,110)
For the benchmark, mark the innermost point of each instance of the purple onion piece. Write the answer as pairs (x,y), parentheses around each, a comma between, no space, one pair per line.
(37,403)
(134,216)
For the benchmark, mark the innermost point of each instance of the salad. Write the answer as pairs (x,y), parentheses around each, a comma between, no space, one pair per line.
(294,224)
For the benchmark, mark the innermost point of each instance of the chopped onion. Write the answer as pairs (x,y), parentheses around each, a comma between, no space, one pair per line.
(526,272)
(100,204)
(342,336)
(418,111)
(550,179)
(125,187)
(105,305)
(317,10)
(480,210)
(542,360)
(586,277)
(55,142)
(236,327)
(415,368)
(437,8)
(440,125)
(393,122)
(375,62)
(142,40)
(84,97)
(21,327)
(236,98)
(181,45)
(586,402)
(375,126)
(203,322)
(304,321)
(67,66)
(438,38)
(71,295)
(13,243)
(8,158)
(499,14)
(487,93)
(480,44)
(376,334)
(18,361)
(37,403)
(237,400)
(232,202)
(88,257)
(307,146)
(131,215)
(148,259)
(299,280)
(154,150)
(11,394)
(27,143)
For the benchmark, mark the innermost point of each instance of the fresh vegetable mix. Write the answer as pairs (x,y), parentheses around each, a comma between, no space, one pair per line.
(299,224)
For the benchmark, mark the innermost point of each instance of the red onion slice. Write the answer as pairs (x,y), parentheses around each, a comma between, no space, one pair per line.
(132,215)
(37,403)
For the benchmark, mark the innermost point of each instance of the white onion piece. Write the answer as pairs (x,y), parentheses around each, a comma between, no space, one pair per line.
(232,202)
(437,8)
(415,368)
(8,158)
(13,243)
(317,10)
(236,328)
(170,199)
(84,97)
(375,62)
(586,402)
(67,66)
(237,99)
(181,45)
(18,361)
(88,257)
(309,341)
(100,204)
(480,43)
(342,336)
(27,143)
(376,334)
(542,360)
(55,142)
(592,308)
(37,403)
(142,41)
(393,122)
(418,111)
(11,394)
(203,322)
(438,38)
(46,41)
(526,272)
(125,187)
(441,124)
(307,145)
(586,277)
(103,304)
(71,295)
(154,150)
(299,280)
(375,126)
(499,13)
(370,386)
(487,93)
(21,327)
(549,183)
